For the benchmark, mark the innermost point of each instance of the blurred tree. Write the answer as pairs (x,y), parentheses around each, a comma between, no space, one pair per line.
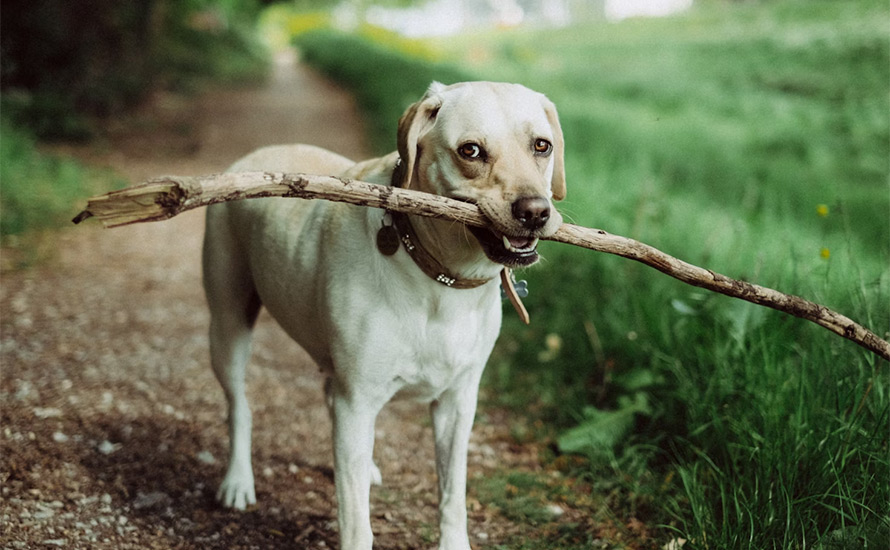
(87,56)
(61,59)
(330,4)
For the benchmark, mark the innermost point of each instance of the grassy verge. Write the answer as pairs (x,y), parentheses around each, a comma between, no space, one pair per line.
(40,190)
(750,139)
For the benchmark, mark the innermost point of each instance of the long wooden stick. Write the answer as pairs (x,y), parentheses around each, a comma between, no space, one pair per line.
(165,197)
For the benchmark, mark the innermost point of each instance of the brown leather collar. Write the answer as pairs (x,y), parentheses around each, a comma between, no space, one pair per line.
(421,256)
(433,267)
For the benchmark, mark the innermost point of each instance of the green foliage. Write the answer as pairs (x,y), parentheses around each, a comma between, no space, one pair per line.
(285,24)
(520,496)
(207,40)
(39,190)
(751,139)
(64,62)
(383,88)
(600,430)
(280,24)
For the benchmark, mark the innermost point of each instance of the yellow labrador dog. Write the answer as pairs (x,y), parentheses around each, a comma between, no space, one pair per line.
(387,304)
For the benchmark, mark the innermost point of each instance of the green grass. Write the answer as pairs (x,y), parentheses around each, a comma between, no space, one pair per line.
(751,139)
(39,190)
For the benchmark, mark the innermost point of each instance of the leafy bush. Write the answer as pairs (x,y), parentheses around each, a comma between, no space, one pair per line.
(39,190)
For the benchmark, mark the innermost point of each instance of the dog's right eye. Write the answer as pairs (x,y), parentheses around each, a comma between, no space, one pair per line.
(471,151)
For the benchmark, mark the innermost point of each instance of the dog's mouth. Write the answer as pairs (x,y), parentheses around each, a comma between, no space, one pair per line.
(508,250)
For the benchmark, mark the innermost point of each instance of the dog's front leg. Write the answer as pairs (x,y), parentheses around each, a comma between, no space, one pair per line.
(453,416)
(353,420)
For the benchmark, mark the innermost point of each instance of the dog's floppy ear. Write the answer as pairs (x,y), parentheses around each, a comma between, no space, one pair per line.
(416,121)
(558,181)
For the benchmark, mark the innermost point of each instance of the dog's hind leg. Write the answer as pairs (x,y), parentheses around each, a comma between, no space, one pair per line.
(234,306)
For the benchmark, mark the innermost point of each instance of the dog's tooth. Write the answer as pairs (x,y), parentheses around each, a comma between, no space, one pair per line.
(507,244)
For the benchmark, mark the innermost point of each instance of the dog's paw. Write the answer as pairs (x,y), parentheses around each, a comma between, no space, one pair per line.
(376,476)
(237,491)
(460,545)
(457,542)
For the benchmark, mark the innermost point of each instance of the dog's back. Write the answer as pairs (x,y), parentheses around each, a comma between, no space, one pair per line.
(297,158)
(237,273)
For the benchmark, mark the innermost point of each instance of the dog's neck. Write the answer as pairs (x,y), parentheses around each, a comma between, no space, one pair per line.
(446,251)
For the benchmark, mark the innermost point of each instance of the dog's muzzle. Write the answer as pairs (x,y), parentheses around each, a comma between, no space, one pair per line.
(508,250)
(519,248)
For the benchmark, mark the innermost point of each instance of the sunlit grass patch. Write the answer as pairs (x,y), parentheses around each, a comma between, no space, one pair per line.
(280,23)
(413,47)
(384,81)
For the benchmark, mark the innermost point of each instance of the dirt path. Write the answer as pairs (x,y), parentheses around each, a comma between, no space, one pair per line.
(112,423)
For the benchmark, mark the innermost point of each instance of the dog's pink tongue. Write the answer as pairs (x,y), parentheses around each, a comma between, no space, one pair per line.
(520,242)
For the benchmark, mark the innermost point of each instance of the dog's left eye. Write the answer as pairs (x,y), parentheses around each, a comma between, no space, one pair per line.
(471,151)
(543,147)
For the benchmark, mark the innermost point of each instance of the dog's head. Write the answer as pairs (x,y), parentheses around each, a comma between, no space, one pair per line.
(497,145)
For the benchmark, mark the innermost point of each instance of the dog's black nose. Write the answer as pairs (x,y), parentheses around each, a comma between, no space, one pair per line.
(532,212)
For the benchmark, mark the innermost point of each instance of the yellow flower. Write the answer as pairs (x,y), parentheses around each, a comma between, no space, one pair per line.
(552,343)
(825,253)
(822,210)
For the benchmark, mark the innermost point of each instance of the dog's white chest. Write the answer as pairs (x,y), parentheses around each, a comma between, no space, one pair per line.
(433,344)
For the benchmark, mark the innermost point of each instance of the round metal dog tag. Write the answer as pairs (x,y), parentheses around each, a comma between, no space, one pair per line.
(387,240)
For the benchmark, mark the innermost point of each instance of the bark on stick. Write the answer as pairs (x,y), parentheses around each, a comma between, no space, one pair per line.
(165,197)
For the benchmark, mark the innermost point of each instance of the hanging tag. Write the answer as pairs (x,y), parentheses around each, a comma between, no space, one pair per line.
(521,287)
(510,290)
(387,237)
